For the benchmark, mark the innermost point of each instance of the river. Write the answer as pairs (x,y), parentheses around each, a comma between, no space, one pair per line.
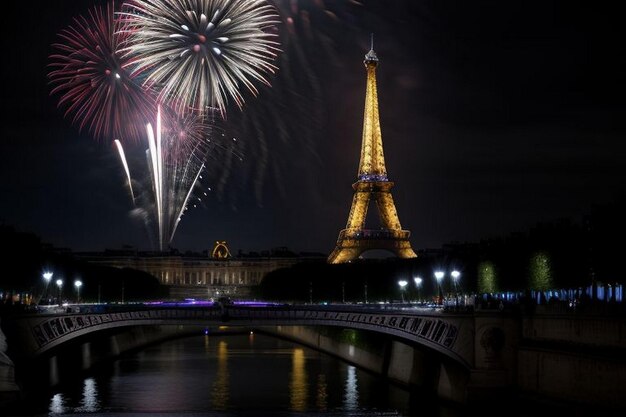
(231,375)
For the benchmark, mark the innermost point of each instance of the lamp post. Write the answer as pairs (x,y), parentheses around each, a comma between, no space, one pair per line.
(60,286)
(439,277)
(78,283)
(418,284)
(455,279)
(402,283)
(47,277)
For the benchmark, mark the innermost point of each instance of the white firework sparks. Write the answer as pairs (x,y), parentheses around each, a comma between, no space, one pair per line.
(120,151)
(174,166)
(173,180)
(200,53)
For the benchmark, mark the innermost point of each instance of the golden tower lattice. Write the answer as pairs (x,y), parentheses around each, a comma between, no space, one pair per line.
(372,184)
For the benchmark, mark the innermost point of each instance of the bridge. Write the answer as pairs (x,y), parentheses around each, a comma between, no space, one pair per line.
(449,335)
(457,355)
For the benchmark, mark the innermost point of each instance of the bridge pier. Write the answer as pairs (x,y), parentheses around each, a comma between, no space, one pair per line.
(53,371)
(85,356)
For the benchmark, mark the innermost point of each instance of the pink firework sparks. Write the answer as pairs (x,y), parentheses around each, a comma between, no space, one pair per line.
(94,80)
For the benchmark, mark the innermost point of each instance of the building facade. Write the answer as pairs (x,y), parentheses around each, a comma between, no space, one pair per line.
(199,277)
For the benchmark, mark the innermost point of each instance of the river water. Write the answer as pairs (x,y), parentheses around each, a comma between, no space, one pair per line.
(249,375)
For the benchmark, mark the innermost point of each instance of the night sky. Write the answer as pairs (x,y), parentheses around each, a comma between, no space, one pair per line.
(495,115)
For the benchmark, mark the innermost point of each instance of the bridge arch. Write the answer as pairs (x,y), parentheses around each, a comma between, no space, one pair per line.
(445,335)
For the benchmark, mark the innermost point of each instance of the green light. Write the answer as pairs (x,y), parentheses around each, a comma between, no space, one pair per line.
(540,272)
(487,281)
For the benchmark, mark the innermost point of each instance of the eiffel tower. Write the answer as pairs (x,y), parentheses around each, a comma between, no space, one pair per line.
(372,184)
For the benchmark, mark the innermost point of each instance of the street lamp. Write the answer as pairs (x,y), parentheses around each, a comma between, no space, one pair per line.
(60,285)
(78,283)
(47,276)
(402,283)
(418,284)
(439,277)
(455,279)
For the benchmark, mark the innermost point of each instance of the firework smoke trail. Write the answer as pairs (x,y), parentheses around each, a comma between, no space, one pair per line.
(289,118)
(198,53)
(120,151)
(94,81)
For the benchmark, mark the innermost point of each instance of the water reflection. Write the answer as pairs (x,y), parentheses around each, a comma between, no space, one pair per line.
(298,386)
(57,404)
(237,374)
(90,403)
(321,401)
(351,397)
(220,391)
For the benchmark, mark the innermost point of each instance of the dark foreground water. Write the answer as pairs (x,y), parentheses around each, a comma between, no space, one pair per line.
(231,376)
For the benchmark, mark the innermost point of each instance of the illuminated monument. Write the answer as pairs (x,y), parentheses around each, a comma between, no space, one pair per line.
(372,184)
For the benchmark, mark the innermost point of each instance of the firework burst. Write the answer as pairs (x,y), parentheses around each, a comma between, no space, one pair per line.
(167,177)
(94,81)
(200,53)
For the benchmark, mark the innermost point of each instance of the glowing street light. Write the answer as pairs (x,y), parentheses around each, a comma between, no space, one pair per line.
(439,277)
(418,284)
(60,285)
(455,276)
(47,277)
(402,283)
(78,283)
(455,279)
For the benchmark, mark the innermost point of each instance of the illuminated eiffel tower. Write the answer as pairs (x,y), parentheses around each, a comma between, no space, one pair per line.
(372,184)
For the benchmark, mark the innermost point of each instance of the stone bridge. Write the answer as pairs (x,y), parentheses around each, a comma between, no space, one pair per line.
(560,354)
(451,335)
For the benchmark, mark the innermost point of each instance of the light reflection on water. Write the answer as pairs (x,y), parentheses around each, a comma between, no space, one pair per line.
(321,400)
(89,403)
(56,404)
(219,393)
(248,374)
(298,389)
(351,399)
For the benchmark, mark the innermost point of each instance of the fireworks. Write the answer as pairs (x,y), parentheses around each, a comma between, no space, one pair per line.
(113,69)
(94,80)
(199,53)
(171,169)
(174,166)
